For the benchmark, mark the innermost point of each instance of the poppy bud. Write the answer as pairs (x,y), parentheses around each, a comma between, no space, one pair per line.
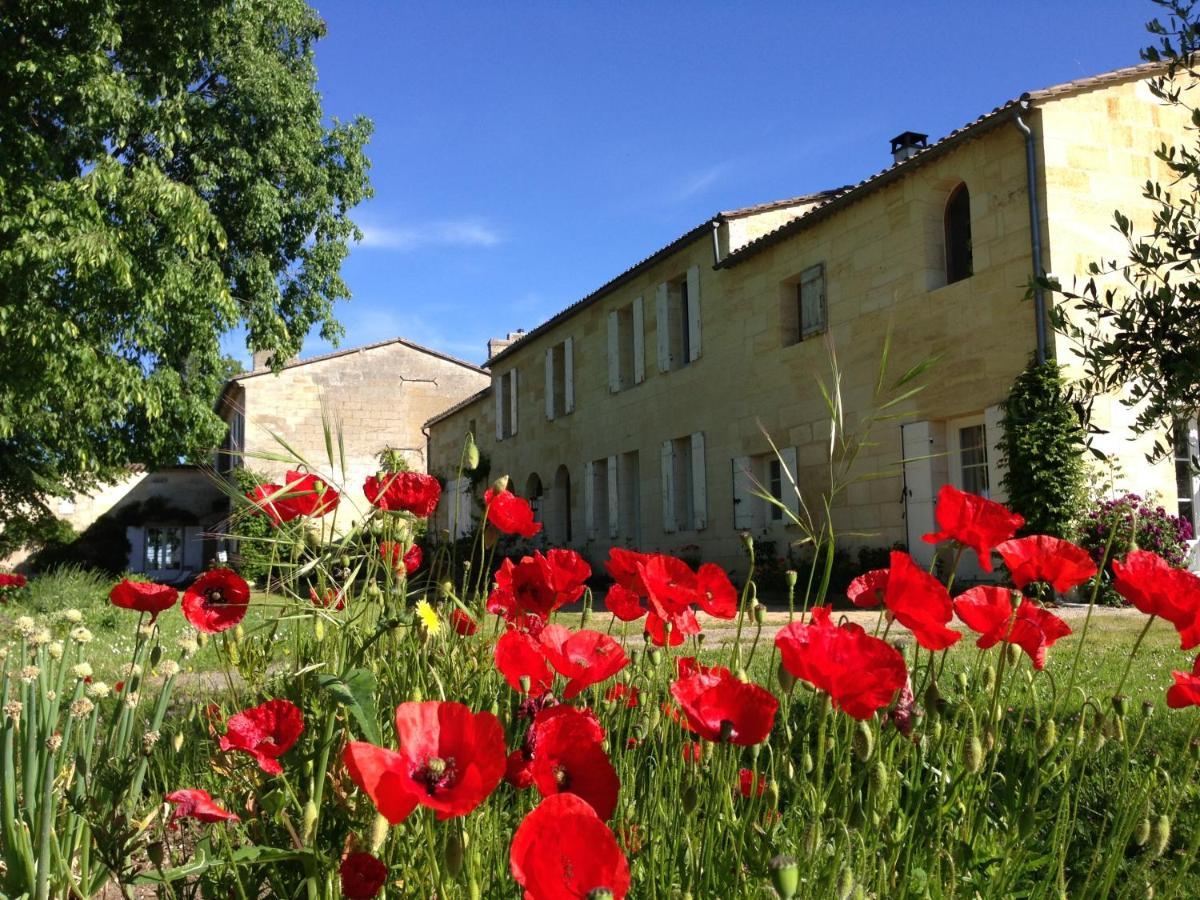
(1120,704)
(989,740)
(1160,836)
(445,588)
(655,716)
(1014,654)
(773,792)
(655,654)
(961,680)
(1141,834)
(310,821)
(1147,708)
(600,893)
(202,638)
(935,730)
(1047,737)
(177,741)
(789,578)
(843,773)
(691,797)
(155,851)
(747,541)
(989,679)
(416,695)
(933,698)
(806,763)
(742,676)
(863,741)
(845,884)
(760,613)
(495,708)
(500,485)
(471,454)
(319,630)
(785,875)
(312,539)
(635,656)
(379,832)
(526,683)
(453,856)
(583,618)
(786,679)
(373,592)
(156,654)
(973,755)
(879,778)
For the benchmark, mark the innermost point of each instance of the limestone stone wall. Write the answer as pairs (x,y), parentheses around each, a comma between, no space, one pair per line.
(375,397)
(884,266)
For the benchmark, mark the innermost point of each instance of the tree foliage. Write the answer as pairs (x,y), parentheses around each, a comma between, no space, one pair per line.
(1144,334)
(166,176)
(1041,448)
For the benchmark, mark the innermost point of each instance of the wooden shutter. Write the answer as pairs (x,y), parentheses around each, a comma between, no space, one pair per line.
(614,519)
(924,448)
(589,498)
(569,375)
(693,310)
(513,385)
(812,300)
(668,487)
(699,486)
(663,324)
(498,390)
(639,341)
(550,383)
(614,352)
(790,486)
(993,431)
(743,494)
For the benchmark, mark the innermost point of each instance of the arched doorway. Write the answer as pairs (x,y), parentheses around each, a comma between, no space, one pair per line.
(533,493)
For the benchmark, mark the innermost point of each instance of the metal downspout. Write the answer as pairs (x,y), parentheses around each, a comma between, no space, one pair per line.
(1035,226)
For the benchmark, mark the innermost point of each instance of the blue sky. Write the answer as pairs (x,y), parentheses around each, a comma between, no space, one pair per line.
(525,153)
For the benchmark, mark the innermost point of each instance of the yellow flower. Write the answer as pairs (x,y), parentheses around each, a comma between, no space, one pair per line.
(429,618)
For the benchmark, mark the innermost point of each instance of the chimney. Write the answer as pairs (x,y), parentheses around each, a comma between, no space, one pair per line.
(261,359)
(497,345)
(907,145)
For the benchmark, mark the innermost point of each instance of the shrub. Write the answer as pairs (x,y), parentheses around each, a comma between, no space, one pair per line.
(252,532)
(1134,523)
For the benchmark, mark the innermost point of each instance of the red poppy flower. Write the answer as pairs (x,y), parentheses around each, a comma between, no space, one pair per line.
(332,599)
(583,657)
(463,624)
(517,654)
(974,522)
(920,603)
(715,593)
(1150,583)
(266,732)
(518,770)
(412,492)
(510,514)
(143,596)
(693,752)
(12,580)
(683,624)
(861,673)
(450,760)
(564,850)
(989,610)
(868,589)
(390,551)
(718,707)
(622,565)
(193,803)
(584,721)
(1043,558)
(747,784)
(624,603)
(566,759)
(619,693)
(301,494)
(670,584)
(217,600)
(1186,689)
(363,876)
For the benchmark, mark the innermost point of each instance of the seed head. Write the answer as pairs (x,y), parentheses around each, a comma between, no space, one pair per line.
(81,635)
(98,690)
(29,673)
(82,670)
(169,668)
(82,707)
(12,709)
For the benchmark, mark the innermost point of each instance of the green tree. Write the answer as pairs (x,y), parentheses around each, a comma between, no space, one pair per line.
(166,176)
(1143,335)
(1041,448)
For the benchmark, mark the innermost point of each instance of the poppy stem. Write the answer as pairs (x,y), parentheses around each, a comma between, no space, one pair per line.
(1132,654)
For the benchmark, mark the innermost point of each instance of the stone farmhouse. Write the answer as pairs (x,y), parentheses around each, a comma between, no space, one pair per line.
(636,416)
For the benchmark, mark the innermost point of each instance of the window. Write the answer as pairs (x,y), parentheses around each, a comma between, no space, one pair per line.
(626,346)
(972,459)
(164,548)
(505,389)
(533,493)
(233,447)
(678,321)
(773,474)
(560,379)
(802,306)
(958,235)
(775,488)
(684,488)
(1187,485)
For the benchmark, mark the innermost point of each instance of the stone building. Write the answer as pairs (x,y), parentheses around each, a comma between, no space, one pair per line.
(639,415)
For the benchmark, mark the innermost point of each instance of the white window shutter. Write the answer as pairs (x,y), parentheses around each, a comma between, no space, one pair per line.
(136,535)
(693,297)
(663,324)
(614,352)
(668,487)
(498,391)
(569,375)
(743,494)
(992,432)
(589,498)
(790,486)
(513,385)
(699,487)
(921,442)
(549,382)
(639,341)
(614,518)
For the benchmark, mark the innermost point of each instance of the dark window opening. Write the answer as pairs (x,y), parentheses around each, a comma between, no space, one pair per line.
(958,235)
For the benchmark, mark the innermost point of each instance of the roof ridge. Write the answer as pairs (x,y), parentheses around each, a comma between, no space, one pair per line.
(372,346)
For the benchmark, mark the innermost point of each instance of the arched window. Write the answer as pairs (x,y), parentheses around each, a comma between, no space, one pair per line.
(533,493)
(958,235)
